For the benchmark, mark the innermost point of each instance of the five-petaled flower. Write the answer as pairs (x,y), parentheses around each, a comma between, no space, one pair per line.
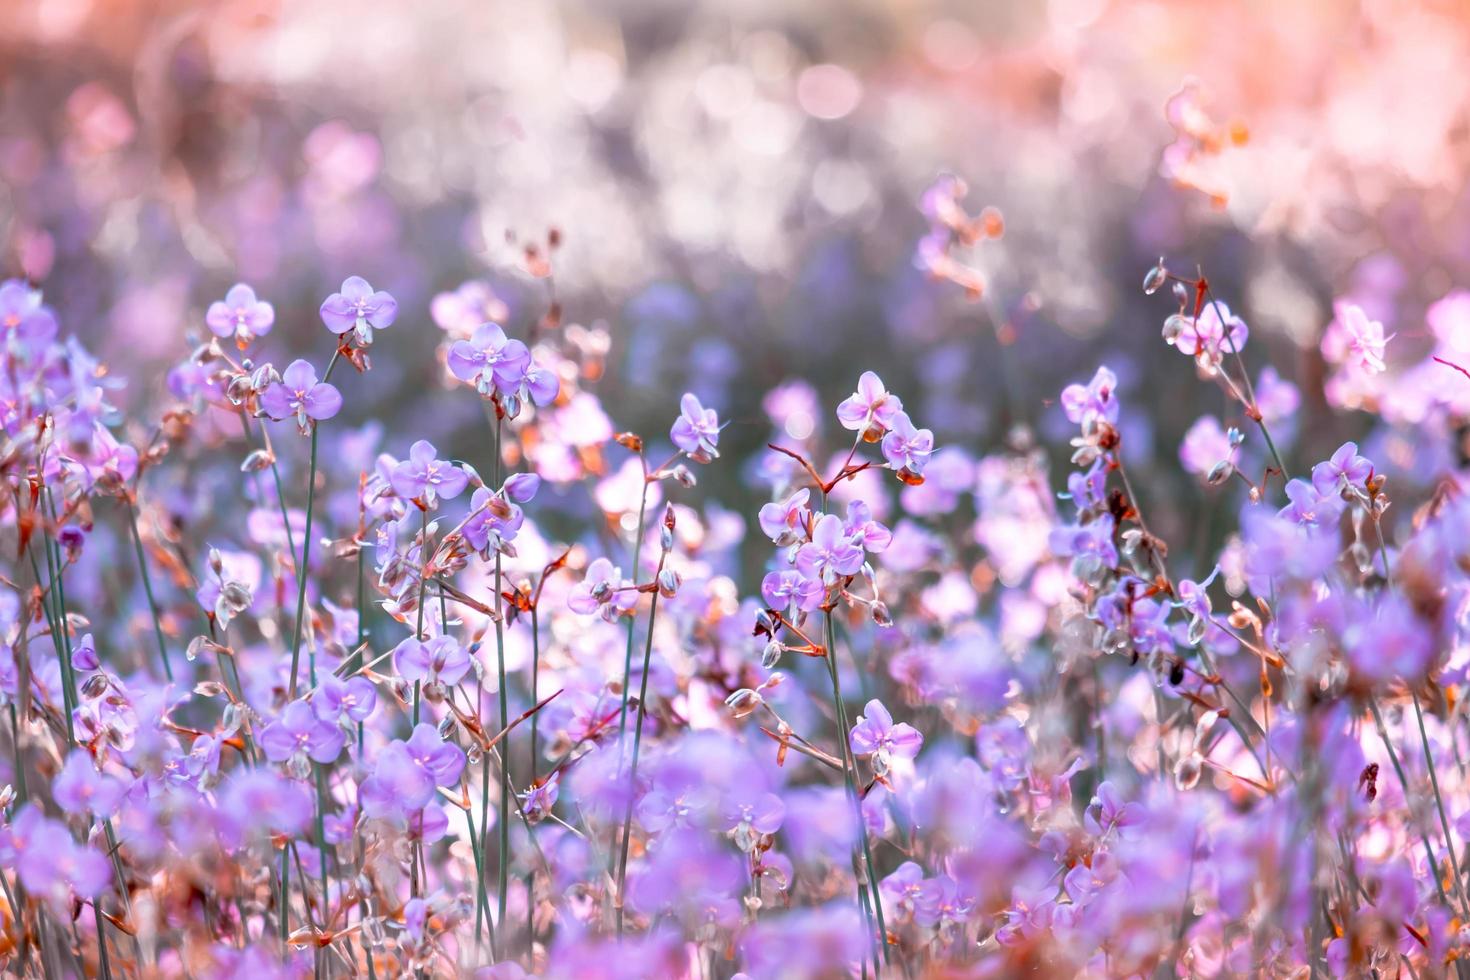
(301,396)
(359,310)
(240,315)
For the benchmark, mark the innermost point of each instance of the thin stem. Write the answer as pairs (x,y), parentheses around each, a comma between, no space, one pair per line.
(503,876)
(305,560)
(633,772)
(148,585)
(628,651)
(1398,768)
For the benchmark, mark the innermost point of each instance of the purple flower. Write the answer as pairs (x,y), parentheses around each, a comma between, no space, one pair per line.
(1205,445)
(1365,340)
(1309,506)
(240,315)
(425,478)
(697,430)
(298,394)
(829,554)
(493,522)
(354,698)
(1211,335)
(1345,469)
(407,774)
(786,522)
(860,527)
(491,361)
(787,590)
(1089,544)
(876,734)
(1148,626)
(1388,642)
(298,734)
(259,802)
(538,801)
(358,310)
(1097,401)
(25,324)
(1108,811)
(871,410)
(80,788)
(438,661)
(49,862)
(906,448)
(602,590)
(749,815)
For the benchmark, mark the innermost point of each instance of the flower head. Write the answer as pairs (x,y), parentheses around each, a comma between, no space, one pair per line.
(301,396)
(359,310)
(240,316)
(697,430)
(426,478)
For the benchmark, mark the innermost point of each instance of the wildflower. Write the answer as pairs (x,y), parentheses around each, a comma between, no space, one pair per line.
(490,361)
(603,590)
(786,522)
(26,326)
(424,478)
(907,448)
(406,775)
(877,735)
(80,788)
(1365,340)
(300,395)
(240,316)
(438,663)
(829,554)
(298,734)
(352,700)
(538,801)
(1093,403)
(871,410)
(788,590)
(358,310)
(1345,469)
(697,430)
(1108,811)
(1211,335)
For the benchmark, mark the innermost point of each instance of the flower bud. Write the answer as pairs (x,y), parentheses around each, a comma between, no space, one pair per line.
(668,583)
(1155,279)
(257,460)
(881,617)
(772,654)
(743,702)
(683,475)
(1221,472)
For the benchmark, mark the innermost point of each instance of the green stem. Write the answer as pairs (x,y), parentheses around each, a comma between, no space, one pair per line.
(301,569)
(633,772)
(148,586)
(628,651)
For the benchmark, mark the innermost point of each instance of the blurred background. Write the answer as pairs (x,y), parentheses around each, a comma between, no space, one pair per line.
(736,188)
